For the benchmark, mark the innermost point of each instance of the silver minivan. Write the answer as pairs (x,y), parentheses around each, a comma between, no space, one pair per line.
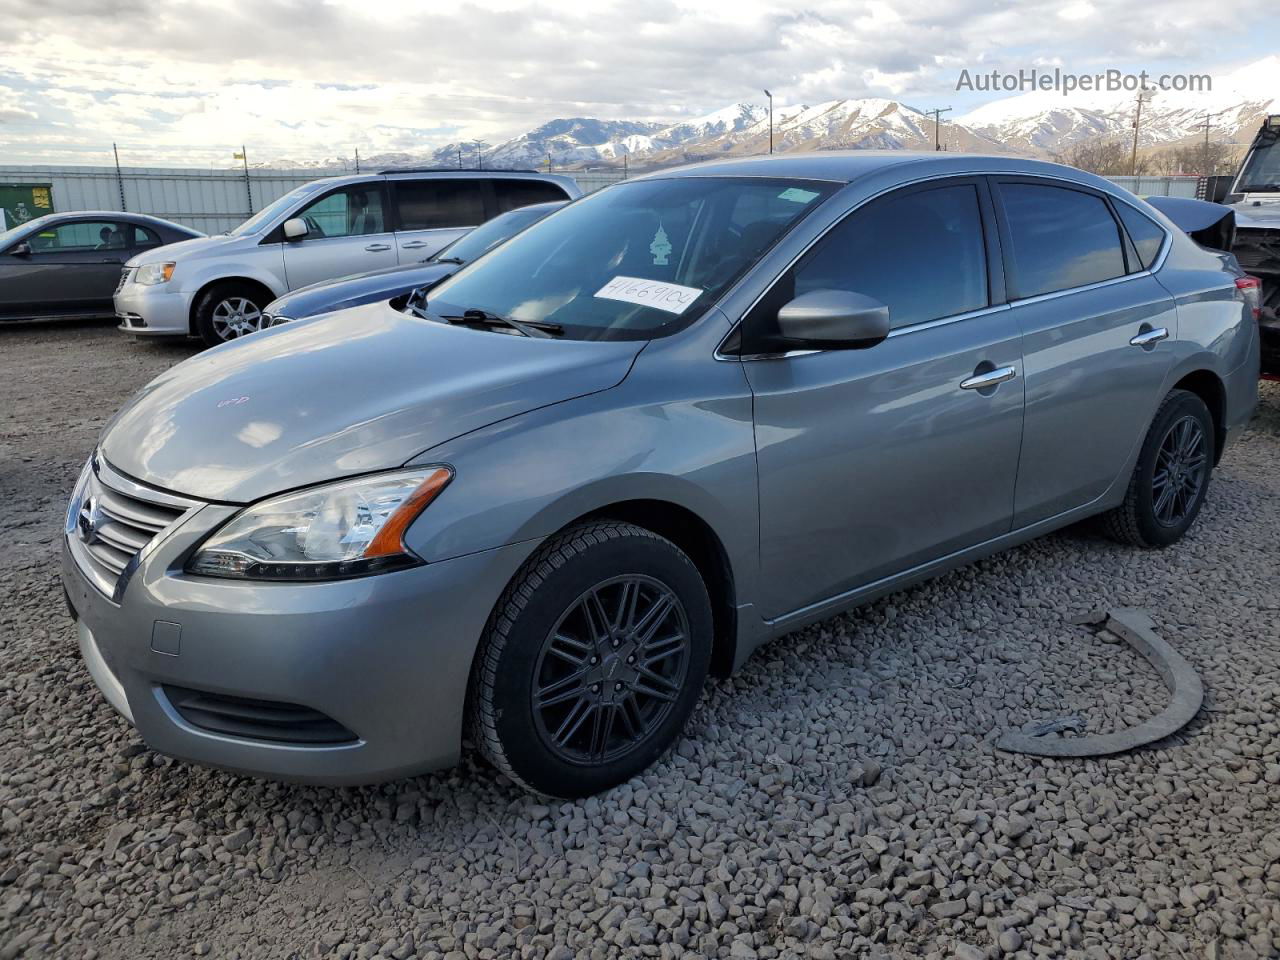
(535,505)
(216,287)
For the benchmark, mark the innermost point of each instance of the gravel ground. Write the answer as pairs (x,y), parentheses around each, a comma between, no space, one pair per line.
(839,798)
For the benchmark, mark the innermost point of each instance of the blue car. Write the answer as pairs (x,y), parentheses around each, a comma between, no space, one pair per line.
(385,284)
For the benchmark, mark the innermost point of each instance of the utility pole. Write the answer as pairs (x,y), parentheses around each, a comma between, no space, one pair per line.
(624,166)
(1208,162)
(937,125)
(459,156)
(770,96)
(548,161)
(479,153)
(357,159)
(1137,126)
(248,187)
(119,177)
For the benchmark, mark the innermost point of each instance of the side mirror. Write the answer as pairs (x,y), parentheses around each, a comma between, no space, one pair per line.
(22,249)
(834,320)
(295,228)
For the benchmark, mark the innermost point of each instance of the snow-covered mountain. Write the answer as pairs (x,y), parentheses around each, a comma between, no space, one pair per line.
(1035,124)
(1047,122)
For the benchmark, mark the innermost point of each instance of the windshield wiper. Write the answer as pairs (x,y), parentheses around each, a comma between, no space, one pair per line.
(457,260)
(530,328)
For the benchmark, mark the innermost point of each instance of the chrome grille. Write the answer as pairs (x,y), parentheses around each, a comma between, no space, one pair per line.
(112,519)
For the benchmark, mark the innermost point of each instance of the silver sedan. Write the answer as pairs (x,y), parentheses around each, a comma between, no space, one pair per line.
(677,418)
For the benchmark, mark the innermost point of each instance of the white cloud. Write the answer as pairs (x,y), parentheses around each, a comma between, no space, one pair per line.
(190,82)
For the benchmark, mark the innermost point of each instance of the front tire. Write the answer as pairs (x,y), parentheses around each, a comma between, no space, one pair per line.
(592,661)
(1171,477)
(228,311)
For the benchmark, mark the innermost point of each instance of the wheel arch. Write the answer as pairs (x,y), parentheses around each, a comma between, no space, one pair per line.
(1208,386)
(254,282)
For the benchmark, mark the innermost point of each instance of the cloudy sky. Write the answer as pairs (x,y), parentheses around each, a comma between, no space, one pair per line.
(188,82)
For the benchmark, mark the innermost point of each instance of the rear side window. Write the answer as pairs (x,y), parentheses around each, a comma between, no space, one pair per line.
(1061,238)
(922,254)
(1147,237)
(520,193)
(144,237)
(433,204)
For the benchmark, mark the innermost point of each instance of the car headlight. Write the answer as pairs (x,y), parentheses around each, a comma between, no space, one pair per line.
(347,529)
(152,273)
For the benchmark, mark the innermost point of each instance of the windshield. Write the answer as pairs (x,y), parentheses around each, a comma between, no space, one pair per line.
(273,210)
(26,226)
(1261,170)
(488,235)
(634,261)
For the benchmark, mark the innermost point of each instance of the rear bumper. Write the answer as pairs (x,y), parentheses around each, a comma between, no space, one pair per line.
(153,310)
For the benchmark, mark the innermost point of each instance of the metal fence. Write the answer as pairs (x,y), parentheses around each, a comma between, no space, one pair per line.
(211,201)
(217,200)
(1159,186)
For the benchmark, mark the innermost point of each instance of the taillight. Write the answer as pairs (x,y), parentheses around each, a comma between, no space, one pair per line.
(1251,289)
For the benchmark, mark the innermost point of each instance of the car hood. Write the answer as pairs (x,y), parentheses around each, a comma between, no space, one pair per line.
(187,249)
(361,288)
(1263,214)
(352,392)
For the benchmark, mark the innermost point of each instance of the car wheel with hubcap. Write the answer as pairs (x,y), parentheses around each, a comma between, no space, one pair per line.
(592,661)
(1171,477)
(229,311)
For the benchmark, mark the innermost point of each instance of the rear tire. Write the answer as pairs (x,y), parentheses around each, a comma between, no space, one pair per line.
(228,311)
(1171,477)
(592,661)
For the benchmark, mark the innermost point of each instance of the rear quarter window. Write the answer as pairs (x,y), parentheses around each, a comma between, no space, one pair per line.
(1062,238)
(512,194)
(1146,235)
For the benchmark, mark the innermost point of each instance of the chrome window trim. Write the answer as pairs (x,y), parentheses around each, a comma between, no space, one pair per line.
(130,487)
(1083,288)
(719,353)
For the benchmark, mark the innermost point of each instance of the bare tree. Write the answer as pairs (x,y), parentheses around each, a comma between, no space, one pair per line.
(1103,157)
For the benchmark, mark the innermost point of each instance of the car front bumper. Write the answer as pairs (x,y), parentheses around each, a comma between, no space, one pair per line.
(386,657)
(153,310)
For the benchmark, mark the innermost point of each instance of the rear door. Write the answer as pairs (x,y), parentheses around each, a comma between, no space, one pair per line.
(1080,294)
(872,462)
(73,269)
(432,213)
(348,234)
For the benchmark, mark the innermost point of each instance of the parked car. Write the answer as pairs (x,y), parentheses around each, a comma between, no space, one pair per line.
(392,282)
(684,415)
(68,264)
(1255,198)
(216,288)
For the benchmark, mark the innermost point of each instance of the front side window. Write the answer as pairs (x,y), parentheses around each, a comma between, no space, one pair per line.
(353,212)
(272,210)
(634,261)
(76,237)
(437,204)
(1062,238)
(921,253)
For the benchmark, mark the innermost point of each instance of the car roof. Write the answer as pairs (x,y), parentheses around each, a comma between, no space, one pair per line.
(846,166)
(119,215)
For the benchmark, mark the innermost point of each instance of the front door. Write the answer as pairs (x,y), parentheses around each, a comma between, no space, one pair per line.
(875,461)
(72,270)
(347,234)
(1081,297)
(431,214)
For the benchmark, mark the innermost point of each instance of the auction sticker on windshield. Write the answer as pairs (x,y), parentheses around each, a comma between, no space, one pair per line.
(658,294)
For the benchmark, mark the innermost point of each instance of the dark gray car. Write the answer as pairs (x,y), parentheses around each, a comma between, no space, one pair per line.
(684,415)
(330,295)
(68,264)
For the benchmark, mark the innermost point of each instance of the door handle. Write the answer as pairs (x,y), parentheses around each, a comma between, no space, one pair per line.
(992,378)
(415,245)
(378,247)
(1149,337)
